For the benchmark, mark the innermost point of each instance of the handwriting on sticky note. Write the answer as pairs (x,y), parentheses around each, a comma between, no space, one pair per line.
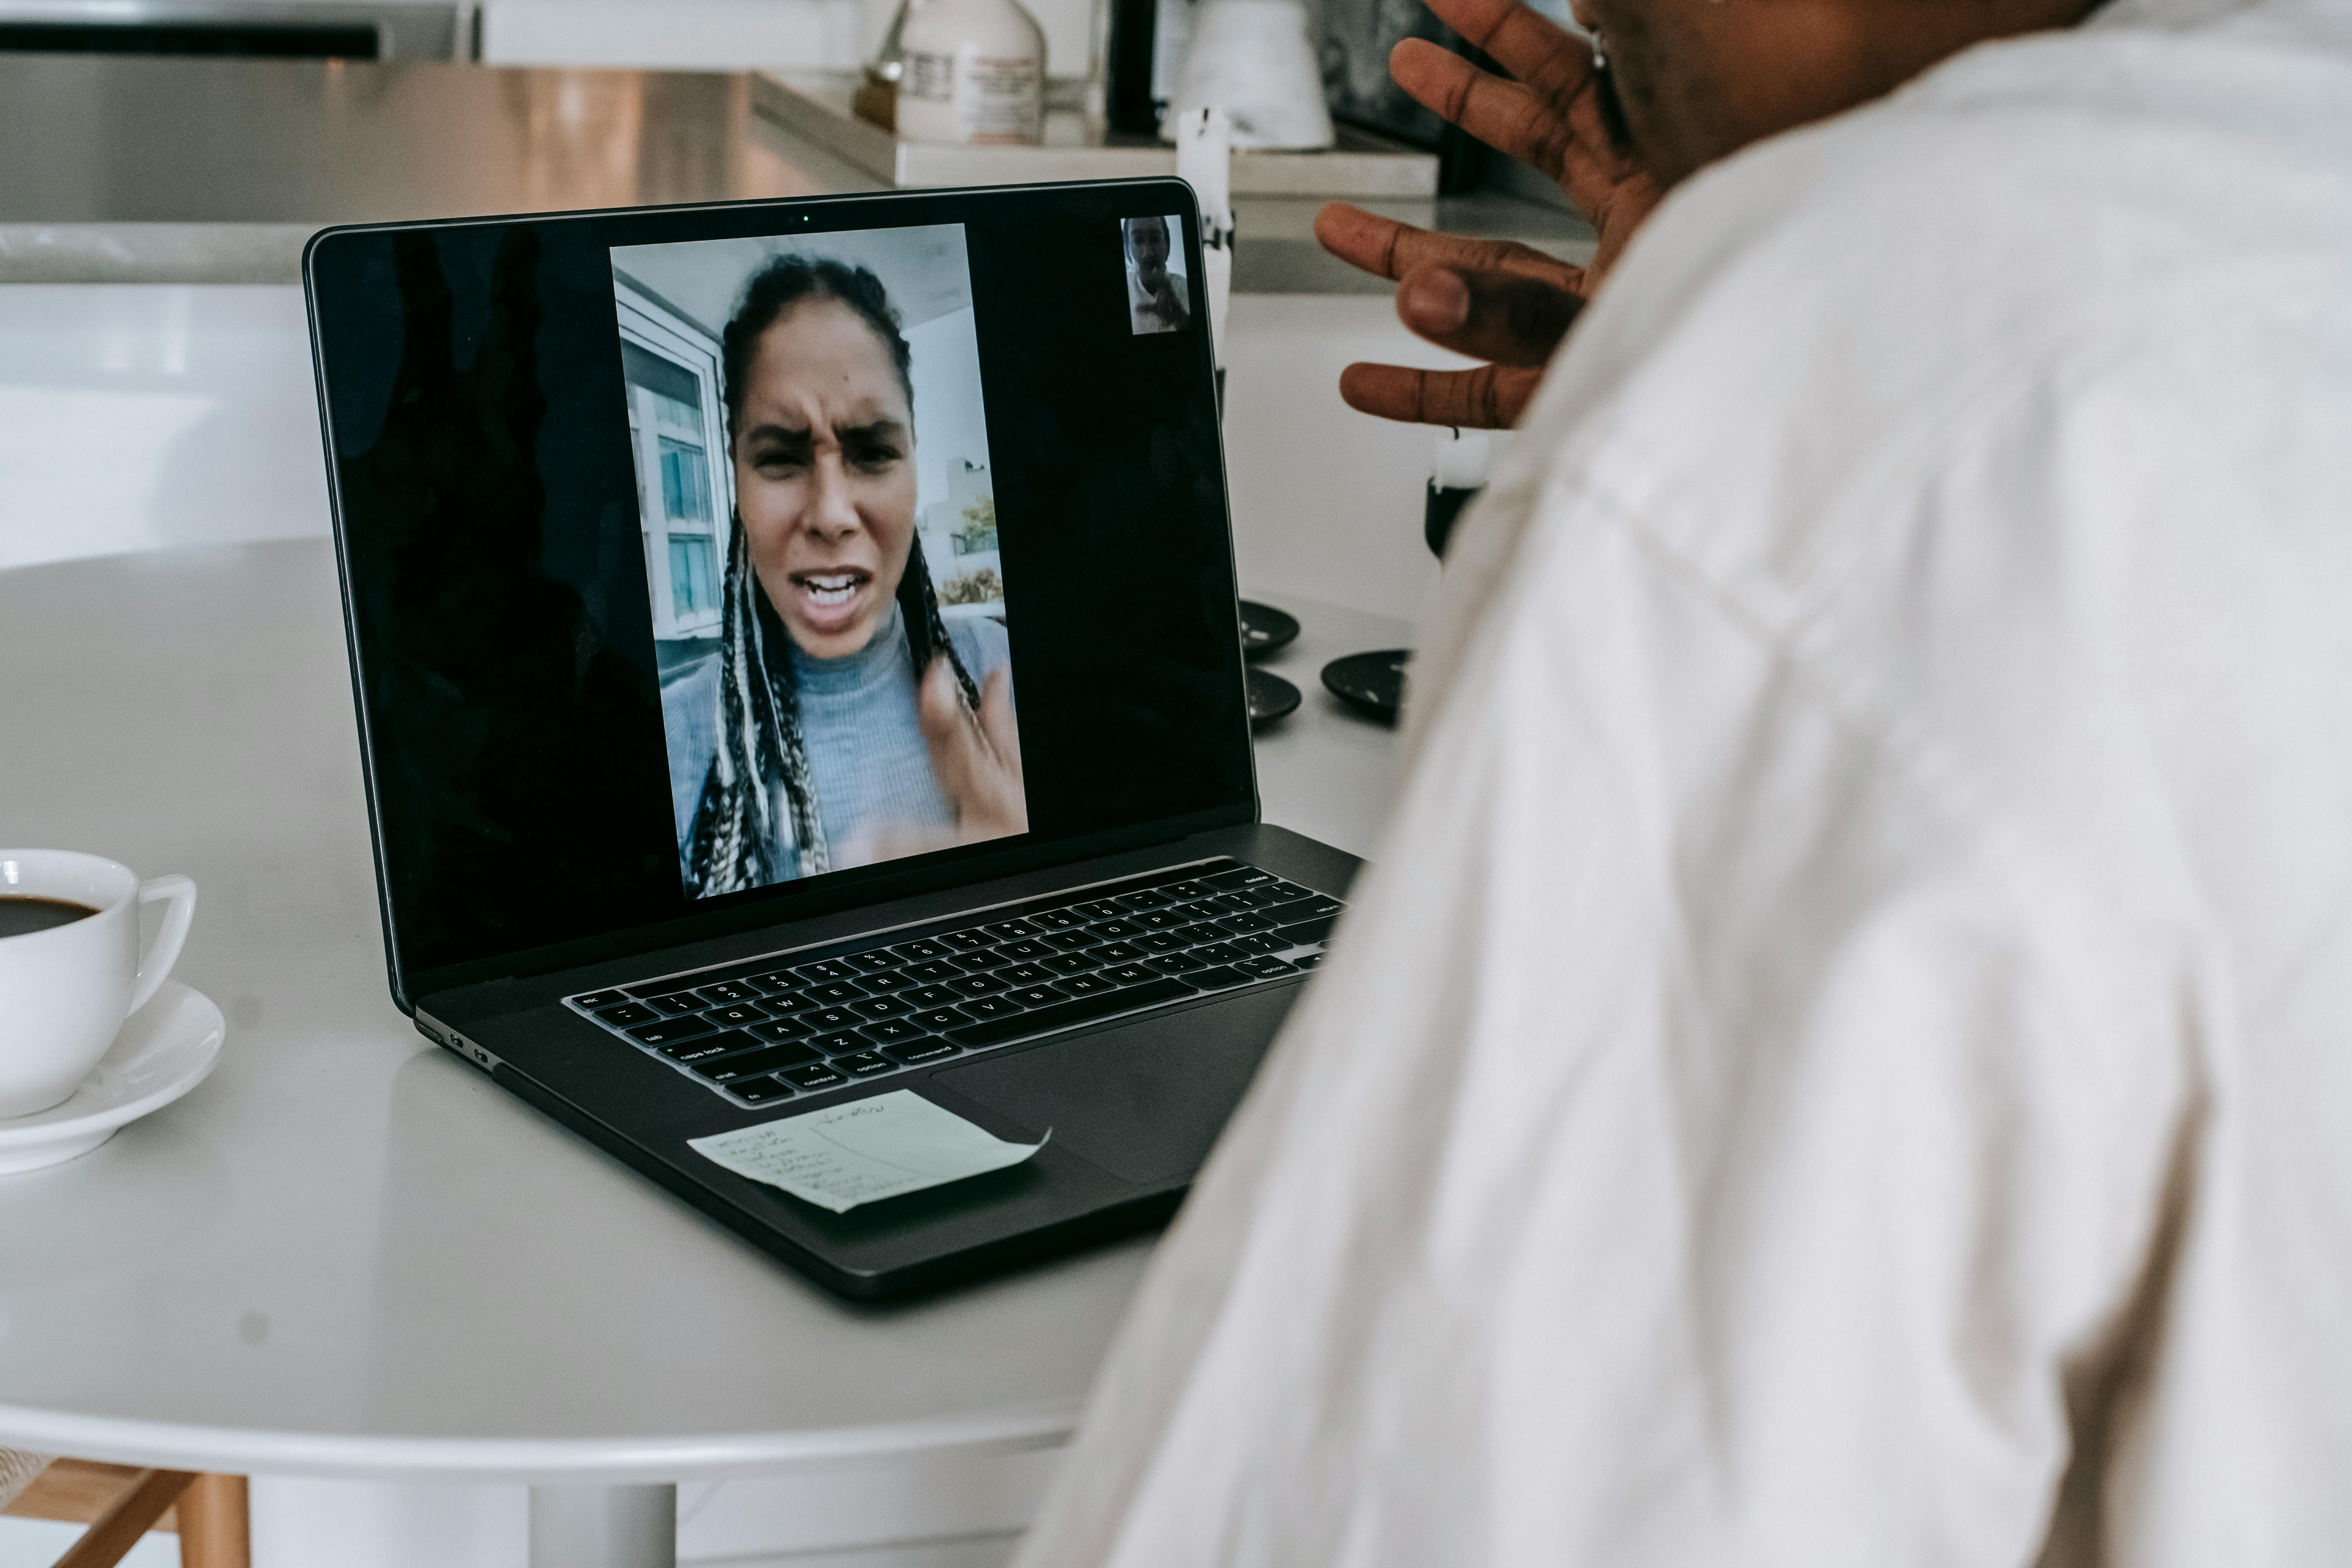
(845,1155)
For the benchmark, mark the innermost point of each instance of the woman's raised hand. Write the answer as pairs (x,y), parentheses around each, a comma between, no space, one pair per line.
(976,757)
(1495,301)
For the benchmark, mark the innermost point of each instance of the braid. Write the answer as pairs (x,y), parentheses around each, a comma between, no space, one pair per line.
(927,631)
(760,738)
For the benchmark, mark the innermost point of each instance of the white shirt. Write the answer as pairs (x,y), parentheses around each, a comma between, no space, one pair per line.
(1852,1014)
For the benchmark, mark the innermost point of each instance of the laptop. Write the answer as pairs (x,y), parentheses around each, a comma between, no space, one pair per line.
(797,659)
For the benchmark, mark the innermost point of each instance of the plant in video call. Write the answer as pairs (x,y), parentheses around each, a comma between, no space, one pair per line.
(981,587)
(978,531)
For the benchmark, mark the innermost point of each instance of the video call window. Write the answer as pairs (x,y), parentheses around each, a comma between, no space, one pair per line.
(820,548)
(1159,299)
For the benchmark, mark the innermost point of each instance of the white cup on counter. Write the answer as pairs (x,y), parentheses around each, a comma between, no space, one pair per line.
(70,967)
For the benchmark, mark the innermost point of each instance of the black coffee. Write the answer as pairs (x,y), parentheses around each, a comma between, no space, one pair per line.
(19,915)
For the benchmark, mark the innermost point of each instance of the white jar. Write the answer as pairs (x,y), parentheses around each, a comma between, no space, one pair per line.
(975,74)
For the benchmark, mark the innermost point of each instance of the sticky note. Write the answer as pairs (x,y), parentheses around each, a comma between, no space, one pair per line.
(845,1155)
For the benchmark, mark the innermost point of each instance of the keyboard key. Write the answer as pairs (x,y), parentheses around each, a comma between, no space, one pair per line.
(788,1000)
(824,970)
(1069,940)
(1165,919)
(775,980)
(1024,950)
(1067,1015)
(1072,963)
(815,1077)
(840,1042)
(735,1018)
(751,1064)
(760,1090)
(965,940)
(627,1013)
(921,951)
(1241,924)
(978,961)
(595,1000)
(1264,968)
(1185,892)
(937,1018)
(869,962)
(881,1008)
(1119,930)
(885,981)
(1095,984)
(1058,920)
(1308,960)
(1120,953)
(1149,899)
(976,985)
(1217,978)
(837,992)
(1027,975)
(1100,909)
(670,1030)
(1258,943)
(1313,906)
(1130,974)
(1006,930)
(1219,953)
(1032,996)
(915,1053)
(990,1007)
(702,1047)
(1176,962)
(863,1064)
(931,996)
(725,992)
(1304,932)
(822,1020)
(1163,942)
(933,971)
(1241,877)
(676,1002)
(893,1031)
(782,1029)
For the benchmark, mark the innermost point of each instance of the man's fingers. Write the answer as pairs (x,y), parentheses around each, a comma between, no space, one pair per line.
(1387,249)
(1511,117)
(1533,49)
(1505,317)
(1490,397)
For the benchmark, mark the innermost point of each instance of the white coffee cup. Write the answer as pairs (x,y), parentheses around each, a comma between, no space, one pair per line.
(66,990)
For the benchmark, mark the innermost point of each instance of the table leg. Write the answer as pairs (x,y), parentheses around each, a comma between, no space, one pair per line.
(604,1527)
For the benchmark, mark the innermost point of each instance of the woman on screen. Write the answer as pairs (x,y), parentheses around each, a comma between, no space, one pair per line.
(854,723)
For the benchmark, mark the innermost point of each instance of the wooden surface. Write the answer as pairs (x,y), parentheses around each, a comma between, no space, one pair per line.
(209,1516)
(118,1530)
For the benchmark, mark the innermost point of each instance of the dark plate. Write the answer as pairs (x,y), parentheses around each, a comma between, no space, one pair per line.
(1371,683)
(1264,630)
(1270,697)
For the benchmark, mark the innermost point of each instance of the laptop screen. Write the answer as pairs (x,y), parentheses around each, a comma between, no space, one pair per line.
(711,566)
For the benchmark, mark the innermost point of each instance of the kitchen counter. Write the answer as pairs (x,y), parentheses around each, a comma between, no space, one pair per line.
(133,170)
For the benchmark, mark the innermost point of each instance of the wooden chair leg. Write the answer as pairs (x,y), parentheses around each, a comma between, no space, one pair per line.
(102,1545)
(213,1531)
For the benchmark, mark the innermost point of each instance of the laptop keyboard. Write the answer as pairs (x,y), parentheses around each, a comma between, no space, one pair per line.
(760,1031)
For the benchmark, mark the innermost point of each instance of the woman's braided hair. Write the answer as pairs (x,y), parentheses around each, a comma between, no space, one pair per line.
(759,701)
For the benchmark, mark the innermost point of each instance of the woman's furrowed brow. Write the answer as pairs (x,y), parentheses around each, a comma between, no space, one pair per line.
(798,435)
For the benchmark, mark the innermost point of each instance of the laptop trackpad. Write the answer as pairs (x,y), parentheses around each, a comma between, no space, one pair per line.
(1144,1101)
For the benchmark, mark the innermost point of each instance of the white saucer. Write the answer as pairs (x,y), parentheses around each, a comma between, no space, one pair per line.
(165,1049)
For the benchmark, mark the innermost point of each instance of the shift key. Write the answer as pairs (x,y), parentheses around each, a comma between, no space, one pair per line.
(751,1064)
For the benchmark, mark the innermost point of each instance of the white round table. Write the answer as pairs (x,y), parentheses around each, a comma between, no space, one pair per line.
(346,1254)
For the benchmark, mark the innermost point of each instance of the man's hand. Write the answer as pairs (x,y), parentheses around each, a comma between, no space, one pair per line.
(1494,299)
